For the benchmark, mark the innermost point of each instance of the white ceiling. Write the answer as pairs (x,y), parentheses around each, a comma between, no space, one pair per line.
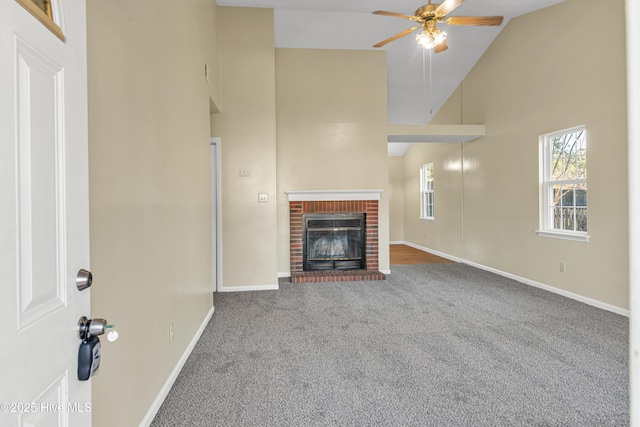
(418,83)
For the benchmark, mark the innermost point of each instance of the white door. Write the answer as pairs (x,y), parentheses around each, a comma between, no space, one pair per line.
(44,216)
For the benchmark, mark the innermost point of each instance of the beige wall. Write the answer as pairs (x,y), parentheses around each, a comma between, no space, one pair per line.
(247,126)
(302,106)
(396,199)
(528,83)
(149,163)
(445,232)
(331,130)
(149,191)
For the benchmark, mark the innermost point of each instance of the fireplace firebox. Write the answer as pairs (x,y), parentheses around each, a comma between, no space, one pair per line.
(333,241)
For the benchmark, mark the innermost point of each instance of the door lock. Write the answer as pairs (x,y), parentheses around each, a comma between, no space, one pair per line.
(92,327)
(83,279)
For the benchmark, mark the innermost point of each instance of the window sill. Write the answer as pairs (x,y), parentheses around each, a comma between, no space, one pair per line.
(563,235)
(431,219)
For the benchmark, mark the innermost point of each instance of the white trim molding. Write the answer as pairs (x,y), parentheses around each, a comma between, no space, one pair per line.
(217,227)
(563,235)
(250,288)
(577,297)
(326,195)
(164,391)
(632,15)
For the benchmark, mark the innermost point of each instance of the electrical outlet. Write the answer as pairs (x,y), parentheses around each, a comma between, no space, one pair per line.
(263,197)
(171,331)
(245,172)
(563,267)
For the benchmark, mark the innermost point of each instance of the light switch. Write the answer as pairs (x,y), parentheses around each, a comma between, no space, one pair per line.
(245,172)
(263,197)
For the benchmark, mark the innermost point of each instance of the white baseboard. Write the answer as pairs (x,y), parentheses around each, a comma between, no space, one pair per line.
(577,297)
(250,288)
(164,391)
(434,252)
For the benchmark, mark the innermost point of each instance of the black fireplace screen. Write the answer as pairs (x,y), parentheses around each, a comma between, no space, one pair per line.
(333,242)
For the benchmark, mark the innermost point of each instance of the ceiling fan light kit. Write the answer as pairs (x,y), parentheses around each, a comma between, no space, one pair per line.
(429,40)
(428,16)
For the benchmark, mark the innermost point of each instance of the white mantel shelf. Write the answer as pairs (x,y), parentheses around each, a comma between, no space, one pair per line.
(325,195)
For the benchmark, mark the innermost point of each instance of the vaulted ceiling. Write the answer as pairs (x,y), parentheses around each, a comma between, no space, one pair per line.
(418,81)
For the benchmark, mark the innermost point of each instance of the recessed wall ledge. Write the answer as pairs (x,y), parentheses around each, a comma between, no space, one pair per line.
(323,195)
(434,133)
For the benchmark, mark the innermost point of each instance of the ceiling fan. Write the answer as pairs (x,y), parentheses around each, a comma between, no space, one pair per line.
(428,16)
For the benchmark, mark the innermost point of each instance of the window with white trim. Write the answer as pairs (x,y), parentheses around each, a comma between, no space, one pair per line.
(426,192)
(563,198)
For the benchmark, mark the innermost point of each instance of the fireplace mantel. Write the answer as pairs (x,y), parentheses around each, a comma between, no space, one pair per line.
(325,195)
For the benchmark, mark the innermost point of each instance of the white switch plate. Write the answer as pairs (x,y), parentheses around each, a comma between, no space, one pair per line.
(245,172)
(263,197)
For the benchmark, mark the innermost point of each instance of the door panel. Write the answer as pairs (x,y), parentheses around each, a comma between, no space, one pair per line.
(45,406)
(40,177)
(44,216)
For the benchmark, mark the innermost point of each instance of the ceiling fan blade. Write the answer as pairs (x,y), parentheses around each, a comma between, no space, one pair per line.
(474,20)
(447,7)
(397,15)
(441,47)
(396,37)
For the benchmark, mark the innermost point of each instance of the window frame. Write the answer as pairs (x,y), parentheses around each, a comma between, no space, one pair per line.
(46,14)
(546,205)
(427,190)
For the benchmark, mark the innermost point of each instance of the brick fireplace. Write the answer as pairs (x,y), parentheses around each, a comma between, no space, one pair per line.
(334,202)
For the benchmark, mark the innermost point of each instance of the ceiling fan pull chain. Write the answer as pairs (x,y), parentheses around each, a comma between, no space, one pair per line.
(430,88)
(424,78)
(430,70)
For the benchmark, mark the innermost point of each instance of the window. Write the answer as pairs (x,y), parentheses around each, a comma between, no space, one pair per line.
(563,198)
(426,191)
(43,11)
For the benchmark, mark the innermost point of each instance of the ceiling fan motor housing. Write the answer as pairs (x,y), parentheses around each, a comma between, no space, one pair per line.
(427,12)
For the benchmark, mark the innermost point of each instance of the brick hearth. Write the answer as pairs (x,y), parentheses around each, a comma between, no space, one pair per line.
(368,207)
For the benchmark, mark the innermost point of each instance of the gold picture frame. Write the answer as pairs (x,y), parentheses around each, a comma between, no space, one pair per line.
(43,12)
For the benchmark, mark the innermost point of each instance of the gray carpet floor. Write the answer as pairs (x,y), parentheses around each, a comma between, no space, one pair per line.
(433,345)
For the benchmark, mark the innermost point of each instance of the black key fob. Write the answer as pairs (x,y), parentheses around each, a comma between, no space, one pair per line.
(88,358)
